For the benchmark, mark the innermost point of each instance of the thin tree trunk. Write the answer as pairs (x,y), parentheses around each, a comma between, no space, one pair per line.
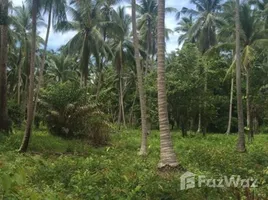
(199,119)
(121,95)
(204,130)
(41,72)
(119,111)
(143,149)
(230,107)
(4,125)
(167,153)
(148,44)
(85,61)
(132,109)
(122,102)
(241,147)
(19,78)
(30,107)
(248,96)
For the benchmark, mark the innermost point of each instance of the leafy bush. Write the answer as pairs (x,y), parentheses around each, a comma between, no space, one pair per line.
(70,113)
(15,113)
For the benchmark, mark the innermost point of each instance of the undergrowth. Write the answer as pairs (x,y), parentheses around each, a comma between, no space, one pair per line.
(72,169)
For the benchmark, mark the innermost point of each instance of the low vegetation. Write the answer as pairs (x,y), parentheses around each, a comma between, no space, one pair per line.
(59,169)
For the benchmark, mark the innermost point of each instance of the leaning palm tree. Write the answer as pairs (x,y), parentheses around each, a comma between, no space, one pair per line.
(4,125)
(143,149)
(30,104)
(20,31)
(56,14)
(253,35)
(106,11)
(226,37)
(121,45)
(241,147)
(167,154)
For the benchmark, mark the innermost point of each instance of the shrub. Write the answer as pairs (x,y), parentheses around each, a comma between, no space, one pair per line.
(70,113)
(15,113)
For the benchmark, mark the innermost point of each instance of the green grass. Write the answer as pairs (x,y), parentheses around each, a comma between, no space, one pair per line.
(60,169)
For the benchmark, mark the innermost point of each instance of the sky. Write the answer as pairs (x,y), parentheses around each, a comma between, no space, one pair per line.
(58,39)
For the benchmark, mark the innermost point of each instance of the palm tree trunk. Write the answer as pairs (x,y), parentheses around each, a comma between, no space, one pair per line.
(19,77)
(230,107)
(122,102)
(30,106)
(167,154)
(199,128)
(4,125)
(248,96)
(249,110)
(85,60)
(143,149)
(241,147)
(121,94)
(41,72)
(132,109)
(119,110)
(148,48)
(205,104)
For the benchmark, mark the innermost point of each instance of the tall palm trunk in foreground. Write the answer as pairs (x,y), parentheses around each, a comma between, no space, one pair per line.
(241,135)
(4,125)
(167,154)
(143,150)
(30,104)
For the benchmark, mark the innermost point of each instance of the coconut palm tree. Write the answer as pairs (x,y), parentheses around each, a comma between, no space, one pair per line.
(203,31)
(4,125)
(262,9)
(30,104)
(167,154)
(107,9)
(61,68)
(241,147)
(183,29)
(147,23)
(207,20)
(253,35)
(143,149)
(21,33)
(122,49)
(56,14)
(88,41)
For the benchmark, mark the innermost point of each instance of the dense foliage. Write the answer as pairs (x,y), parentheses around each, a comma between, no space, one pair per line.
(101,57)
(70,113)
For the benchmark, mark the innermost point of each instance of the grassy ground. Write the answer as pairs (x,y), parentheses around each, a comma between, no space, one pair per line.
(59,169)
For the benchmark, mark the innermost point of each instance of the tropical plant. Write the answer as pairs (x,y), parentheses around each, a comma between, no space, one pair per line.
(70,113)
